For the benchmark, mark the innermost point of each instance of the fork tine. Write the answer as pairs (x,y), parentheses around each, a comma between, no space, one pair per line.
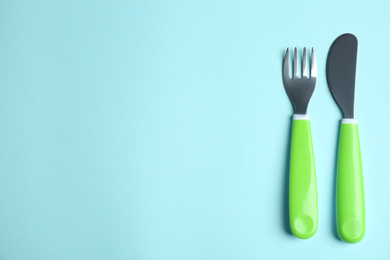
(313,73)
(304,66)
(295,75)
(286,66)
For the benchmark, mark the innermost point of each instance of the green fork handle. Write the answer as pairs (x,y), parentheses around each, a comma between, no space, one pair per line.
(350,209)
(303,207)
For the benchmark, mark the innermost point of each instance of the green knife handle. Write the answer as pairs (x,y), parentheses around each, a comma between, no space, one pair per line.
(303,187)
(351,220)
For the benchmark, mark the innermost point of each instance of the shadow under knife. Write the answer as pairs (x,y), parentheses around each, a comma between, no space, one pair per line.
(334,189)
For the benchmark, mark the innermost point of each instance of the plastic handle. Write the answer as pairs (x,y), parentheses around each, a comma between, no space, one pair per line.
(303,186)
(351,220)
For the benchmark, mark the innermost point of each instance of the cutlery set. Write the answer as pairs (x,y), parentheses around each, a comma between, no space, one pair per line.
(303,204)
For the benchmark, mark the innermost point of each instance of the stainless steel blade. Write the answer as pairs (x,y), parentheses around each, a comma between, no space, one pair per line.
(341,72)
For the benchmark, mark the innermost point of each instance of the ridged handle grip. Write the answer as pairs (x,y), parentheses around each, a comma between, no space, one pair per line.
(303,187)
(351,220)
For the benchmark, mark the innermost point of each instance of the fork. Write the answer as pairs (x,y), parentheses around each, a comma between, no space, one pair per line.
(303,208)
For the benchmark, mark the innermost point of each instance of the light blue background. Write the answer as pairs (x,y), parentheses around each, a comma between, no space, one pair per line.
(160,129)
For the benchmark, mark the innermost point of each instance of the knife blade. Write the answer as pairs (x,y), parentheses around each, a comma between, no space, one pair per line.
(350,204)
(341,72)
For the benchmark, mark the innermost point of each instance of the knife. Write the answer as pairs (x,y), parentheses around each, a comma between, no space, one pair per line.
(350,205)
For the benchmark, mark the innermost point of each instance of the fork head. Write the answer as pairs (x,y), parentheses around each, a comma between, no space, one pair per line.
(300,89)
